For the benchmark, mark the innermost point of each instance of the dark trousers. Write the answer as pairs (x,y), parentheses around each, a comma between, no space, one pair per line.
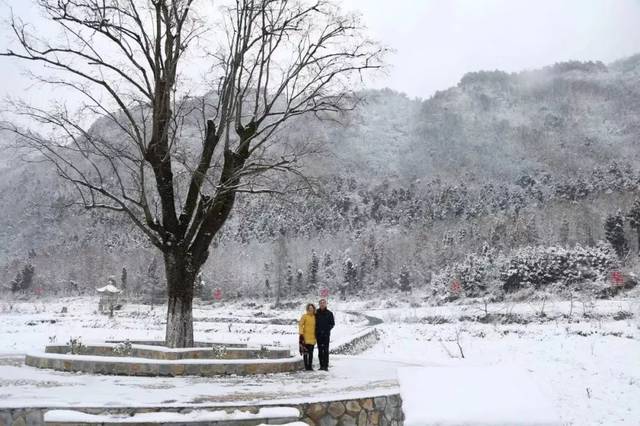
(308,357)
(323,351)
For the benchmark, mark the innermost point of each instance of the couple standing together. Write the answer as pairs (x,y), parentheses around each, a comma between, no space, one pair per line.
(315,327)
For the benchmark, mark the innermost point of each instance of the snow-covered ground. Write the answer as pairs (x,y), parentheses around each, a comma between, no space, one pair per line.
(587,363)
(583,357)
(29,326)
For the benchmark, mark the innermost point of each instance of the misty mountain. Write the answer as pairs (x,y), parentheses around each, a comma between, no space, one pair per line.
(563,119)
(480,155)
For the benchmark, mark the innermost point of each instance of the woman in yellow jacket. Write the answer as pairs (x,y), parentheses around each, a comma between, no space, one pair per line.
(307,330)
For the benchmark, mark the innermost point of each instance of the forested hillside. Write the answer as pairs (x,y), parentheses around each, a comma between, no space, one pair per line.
(409,195)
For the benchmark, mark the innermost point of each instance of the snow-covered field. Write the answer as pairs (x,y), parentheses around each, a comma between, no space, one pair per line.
(583,357)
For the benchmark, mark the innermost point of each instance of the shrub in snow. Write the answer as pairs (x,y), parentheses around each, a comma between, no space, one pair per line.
(539,266)
(76,346)
(123,349)
(472,276)
(219,352)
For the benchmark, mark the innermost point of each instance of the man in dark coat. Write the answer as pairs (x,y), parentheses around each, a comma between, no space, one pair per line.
(324,324)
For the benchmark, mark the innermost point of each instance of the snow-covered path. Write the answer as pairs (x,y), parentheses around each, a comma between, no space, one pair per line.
(22,386)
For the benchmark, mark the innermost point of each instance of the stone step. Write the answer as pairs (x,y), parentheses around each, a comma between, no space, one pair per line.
(264,416)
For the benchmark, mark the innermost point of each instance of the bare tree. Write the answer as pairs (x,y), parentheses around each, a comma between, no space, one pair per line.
(270,63)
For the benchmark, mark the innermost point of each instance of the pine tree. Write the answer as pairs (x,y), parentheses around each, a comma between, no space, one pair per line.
(327,263)
(634,219)
(614,233)
(405,279)
(350,274)
(24,278)
(299,280)
(123,279)
(289,279)
(313,269)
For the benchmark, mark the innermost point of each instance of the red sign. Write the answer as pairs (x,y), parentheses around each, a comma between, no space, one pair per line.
(456,287)
(324,293)
(217,294)
(39,291)
(617,278)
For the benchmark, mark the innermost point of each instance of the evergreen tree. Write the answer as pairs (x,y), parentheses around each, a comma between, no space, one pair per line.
(24,278)
(267,283)
(405,279)
(350,274)
(313,269)
(634,219)
(290,279)
(299,280)
(327,263)
(123,279)
(614,233)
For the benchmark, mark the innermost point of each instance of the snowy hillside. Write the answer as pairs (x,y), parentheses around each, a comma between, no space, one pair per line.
(537,158)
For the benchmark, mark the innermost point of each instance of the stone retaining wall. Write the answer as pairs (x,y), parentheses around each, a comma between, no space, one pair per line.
(142,367)
(357,344)
(375,411)
(151,352)
(385,410)
(195,344)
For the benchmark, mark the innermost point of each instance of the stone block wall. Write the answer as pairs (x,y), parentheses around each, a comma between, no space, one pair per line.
(114,366)
(385,410)
(358,344)
(149,352)
(374,411)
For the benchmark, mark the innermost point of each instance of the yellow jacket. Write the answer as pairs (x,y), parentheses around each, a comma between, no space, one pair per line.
(307,328)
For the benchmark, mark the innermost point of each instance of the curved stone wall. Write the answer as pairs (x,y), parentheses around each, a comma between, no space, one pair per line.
(162,353)
(358,343)
(195,344)
(168,368)
(383,410)
(377,410)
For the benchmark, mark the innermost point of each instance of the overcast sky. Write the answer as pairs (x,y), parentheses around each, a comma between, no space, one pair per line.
(437,41)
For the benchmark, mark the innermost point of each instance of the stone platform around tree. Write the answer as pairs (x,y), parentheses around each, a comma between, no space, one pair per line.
(130,359)
(136,350)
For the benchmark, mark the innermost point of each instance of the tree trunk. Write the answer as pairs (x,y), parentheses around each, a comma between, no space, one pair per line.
(180,283)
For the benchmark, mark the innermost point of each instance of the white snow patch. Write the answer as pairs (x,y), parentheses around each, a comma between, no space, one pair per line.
(473,396)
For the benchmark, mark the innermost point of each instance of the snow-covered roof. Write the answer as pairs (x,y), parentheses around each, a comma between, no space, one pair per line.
(110,288)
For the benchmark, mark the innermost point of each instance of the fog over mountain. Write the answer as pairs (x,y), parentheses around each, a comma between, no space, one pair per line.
(506,158)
